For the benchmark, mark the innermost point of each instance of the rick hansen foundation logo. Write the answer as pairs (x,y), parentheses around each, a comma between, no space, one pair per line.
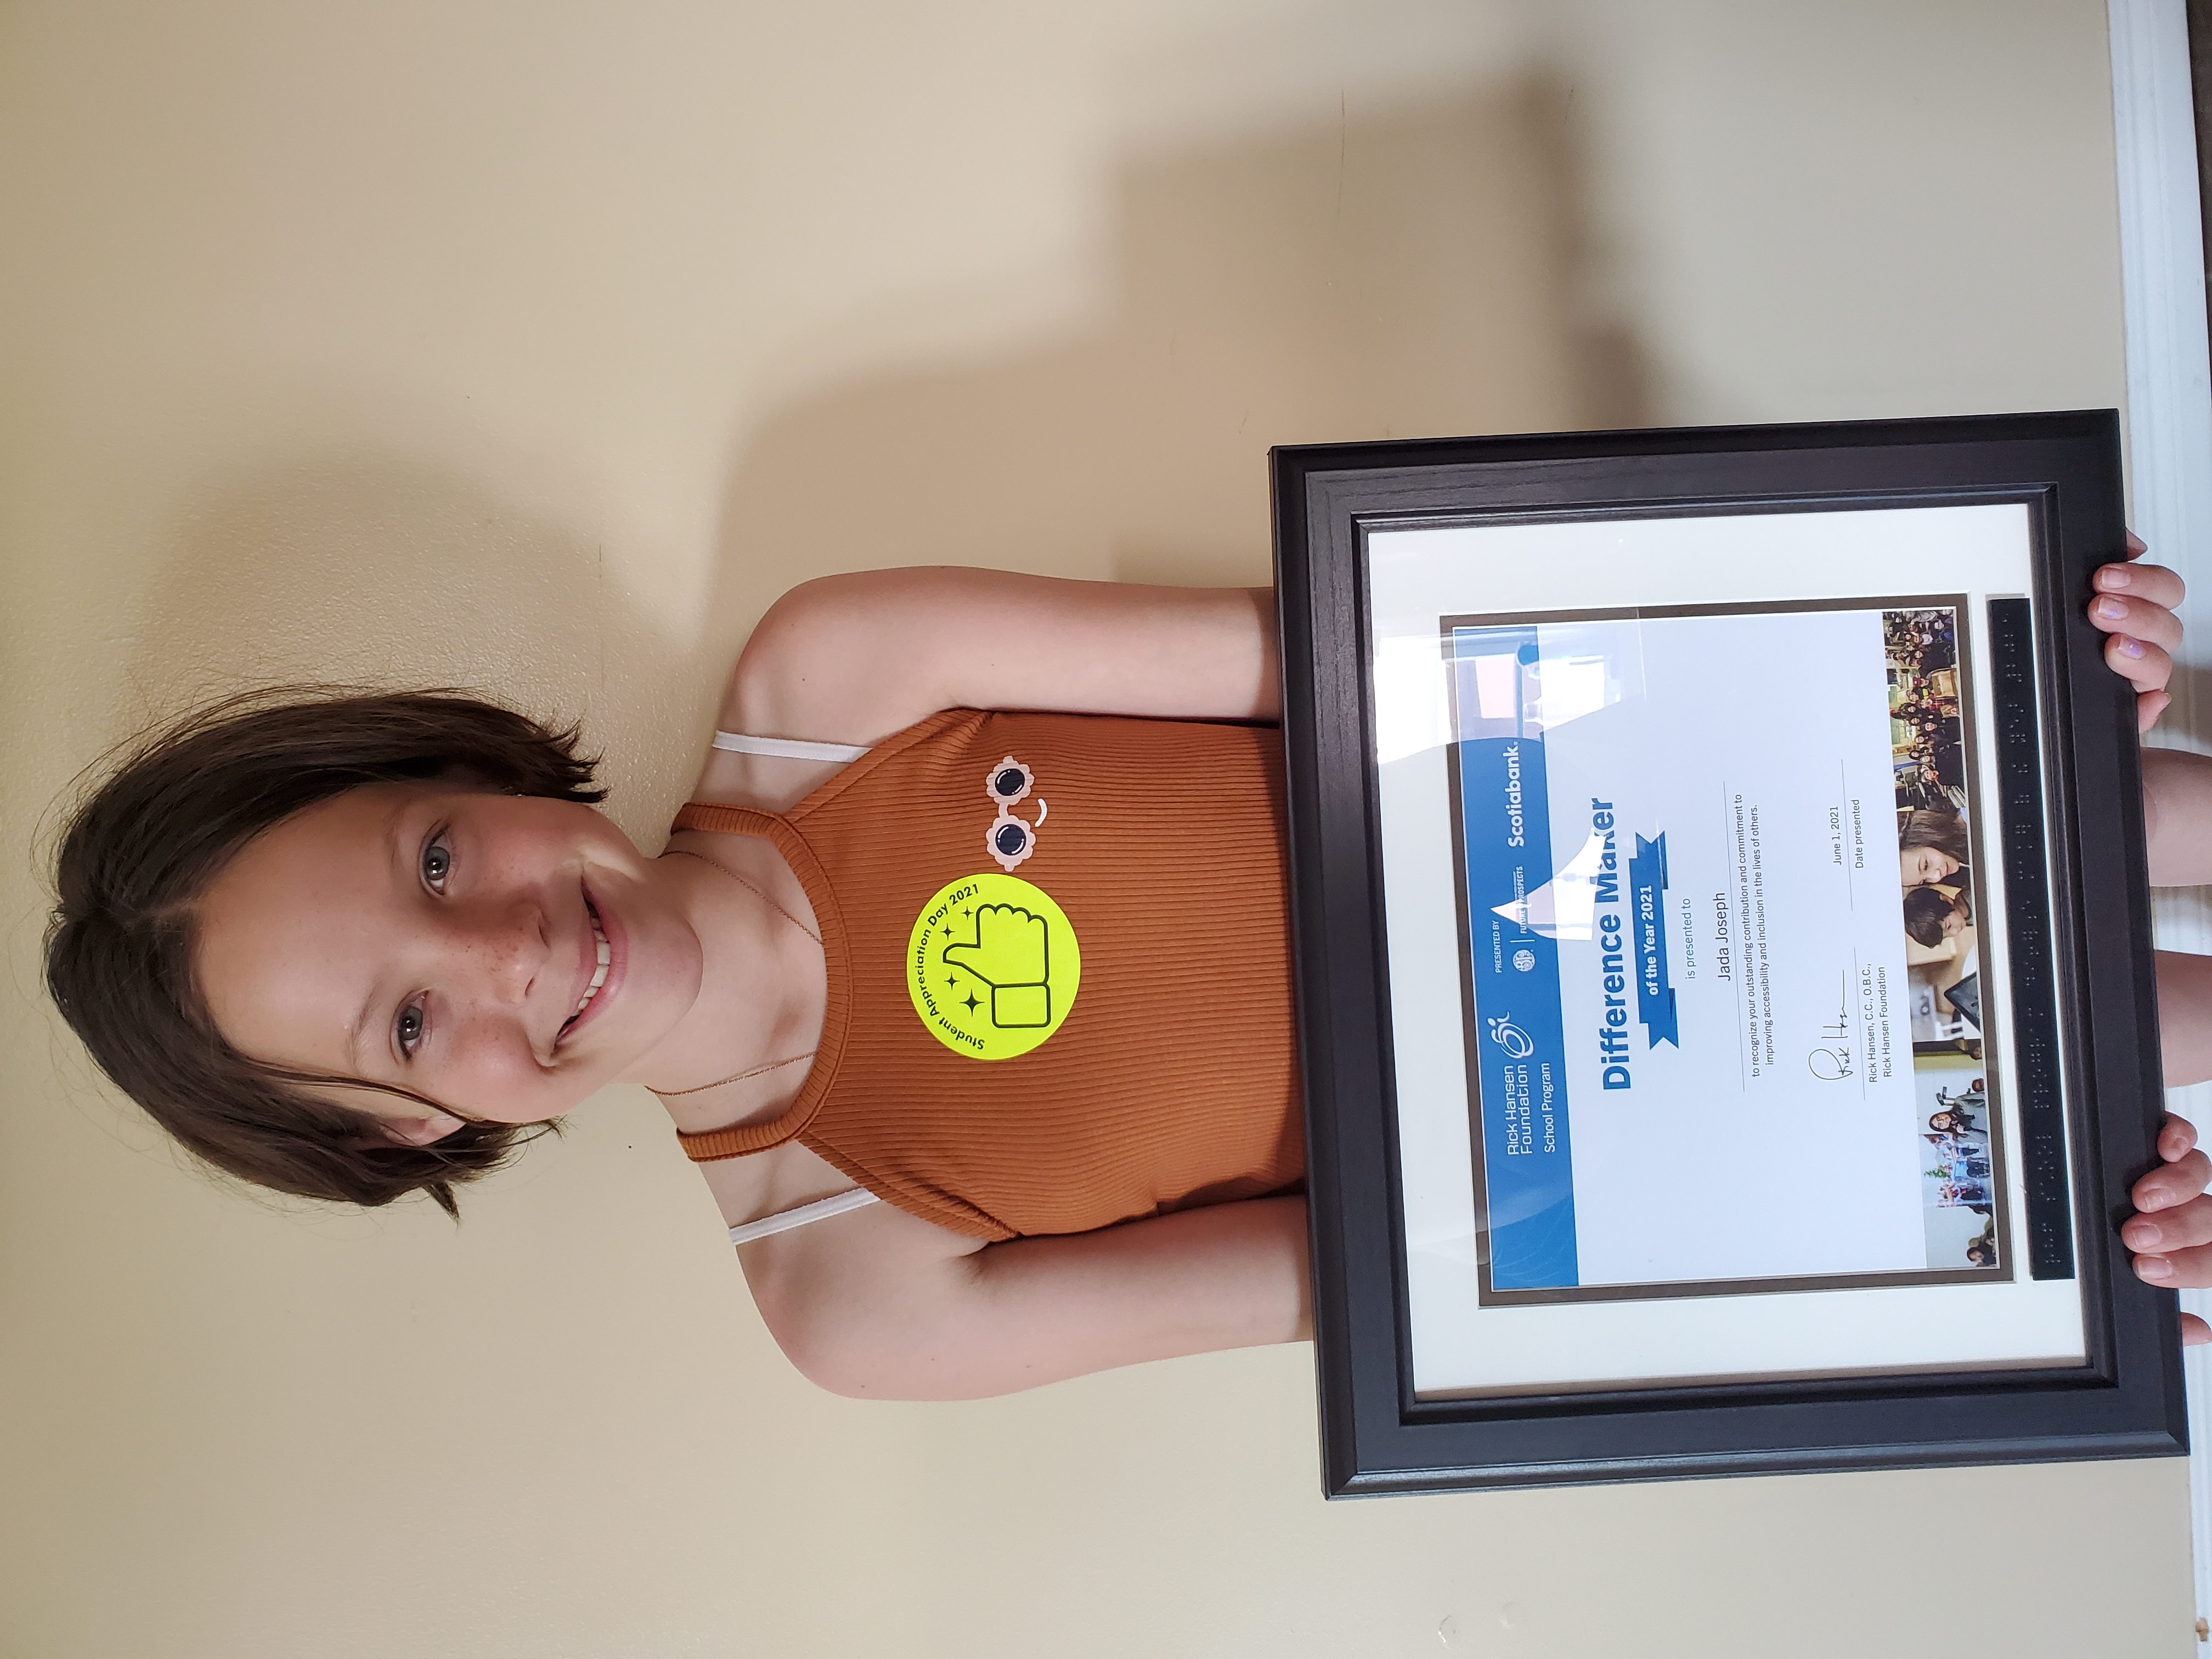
(1510,1037)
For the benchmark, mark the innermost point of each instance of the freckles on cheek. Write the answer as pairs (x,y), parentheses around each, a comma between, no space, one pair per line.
(494,1079)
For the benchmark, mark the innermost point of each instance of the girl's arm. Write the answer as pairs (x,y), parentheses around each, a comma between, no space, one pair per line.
(853,659)
(887,1307)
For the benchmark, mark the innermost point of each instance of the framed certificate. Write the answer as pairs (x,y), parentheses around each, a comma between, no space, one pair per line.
(1723,953)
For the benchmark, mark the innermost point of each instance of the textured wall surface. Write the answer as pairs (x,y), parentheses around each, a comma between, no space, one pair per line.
(537,347)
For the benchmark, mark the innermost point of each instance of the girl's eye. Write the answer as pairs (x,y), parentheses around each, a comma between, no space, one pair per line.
(437,861)
(409,1028)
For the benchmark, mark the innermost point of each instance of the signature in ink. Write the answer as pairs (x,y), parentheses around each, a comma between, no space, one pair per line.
(1831,1059)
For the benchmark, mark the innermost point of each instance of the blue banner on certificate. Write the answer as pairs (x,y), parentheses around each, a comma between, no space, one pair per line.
(1717,1040)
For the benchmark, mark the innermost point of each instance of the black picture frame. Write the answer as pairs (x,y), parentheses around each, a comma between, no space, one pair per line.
(2093,952)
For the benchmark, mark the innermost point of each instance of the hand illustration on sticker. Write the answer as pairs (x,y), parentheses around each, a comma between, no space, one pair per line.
(1011,953)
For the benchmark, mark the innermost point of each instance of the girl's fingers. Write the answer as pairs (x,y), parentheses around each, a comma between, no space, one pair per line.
(2152,583)
(2171,1183)
(2176,1138)
(2182,1227)
(2177,1270)
(2138,619)
(2134,605)
(2194,1331)
(2141,664)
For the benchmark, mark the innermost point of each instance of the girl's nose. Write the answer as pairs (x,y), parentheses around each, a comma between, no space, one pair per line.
(508,943)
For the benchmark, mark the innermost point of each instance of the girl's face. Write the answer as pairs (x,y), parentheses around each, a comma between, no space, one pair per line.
(1954,923)
(449,942)
(1921,865)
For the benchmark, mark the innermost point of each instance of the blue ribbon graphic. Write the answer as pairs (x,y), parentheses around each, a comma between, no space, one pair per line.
(1655,993)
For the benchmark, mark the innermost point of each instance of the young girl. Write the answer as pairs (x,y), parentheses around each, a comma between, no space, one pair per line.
(1931,846)
(979,1022)
(1931,916)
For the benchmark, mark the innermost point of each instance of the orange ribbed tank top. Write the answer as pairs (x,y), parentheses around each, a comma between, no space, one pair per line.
(1168,1080)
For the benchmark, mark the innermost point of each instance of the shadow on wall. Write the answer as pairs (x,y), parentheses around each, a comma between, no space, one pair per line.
(345,569)
(1420,272)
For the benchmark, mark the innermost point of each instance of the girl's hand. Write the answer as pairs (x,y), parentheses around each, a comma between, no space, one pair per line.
(2171,1229)
(2134,605)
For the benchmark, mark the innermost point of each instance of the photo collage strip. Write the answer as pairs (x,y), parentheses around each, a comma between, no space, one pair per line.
(1962,1175)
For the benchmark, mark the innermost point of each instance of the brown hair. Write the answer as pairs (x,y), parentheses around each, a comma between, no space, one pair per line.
(139,852)
(1933,826)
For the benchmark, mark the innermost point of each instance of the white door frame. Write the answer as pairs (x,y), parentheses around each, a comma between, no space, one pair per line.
(2169,427)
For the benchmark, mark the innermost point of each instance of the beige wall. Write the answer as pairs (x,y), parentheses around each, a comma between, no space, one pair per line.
(537,347)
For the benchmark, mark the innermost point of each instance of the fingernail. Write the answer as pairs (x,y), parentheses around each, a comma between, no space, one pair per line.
(2155,1266)
(2141,1236)
(2114,575)
(2111,610)
(2128,647)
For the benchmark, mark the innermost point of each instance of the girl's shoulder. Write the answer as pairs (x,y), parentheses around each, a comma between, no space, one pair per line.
(851,659)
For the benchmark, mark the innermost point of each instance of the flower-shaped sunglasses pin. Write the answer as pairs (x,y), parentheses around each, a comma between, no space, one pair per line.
(1012,839)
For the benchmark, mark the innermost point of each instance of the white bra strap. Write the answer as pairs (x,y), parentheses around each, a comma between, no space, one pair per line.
(788,748)
(820,1210)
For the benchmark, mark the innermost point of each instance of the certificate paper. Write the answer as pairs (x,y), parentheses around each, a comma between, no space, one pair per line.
(1789,1145)
(1722,1025)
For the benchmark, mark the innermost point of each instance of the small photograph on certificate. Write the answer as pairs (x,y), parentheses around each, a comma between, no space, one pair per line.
(1721,950)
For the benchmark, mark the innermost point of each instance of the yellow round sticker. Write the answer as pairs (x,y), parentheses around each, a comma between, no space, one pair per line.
(992,966)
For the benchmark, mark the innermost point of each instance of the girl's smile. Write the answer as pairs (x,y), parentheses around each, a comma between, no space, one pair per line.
(599,969)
